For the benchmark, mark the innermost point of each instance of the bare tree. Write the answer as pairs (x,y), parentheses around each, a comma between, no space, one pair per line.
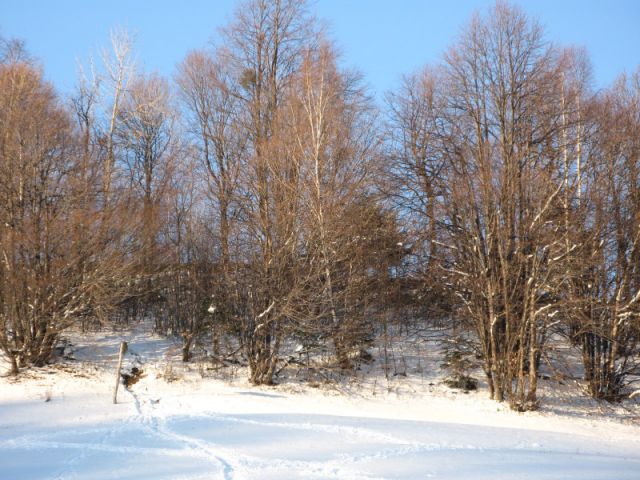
(606,291)
(415,182)
(187,306)
(264,46)
(145,135)
(484,144)
(335,148)
(120,68)
(216,125)
(61,260)
(505,194)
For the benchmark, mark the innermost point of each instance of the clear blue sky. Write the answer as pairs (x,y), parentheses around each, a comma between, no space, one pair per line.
(381,38)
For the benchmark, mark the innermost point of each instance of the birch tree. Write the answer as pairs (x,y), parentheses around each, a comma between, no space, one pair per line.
(120,68)
(336,151)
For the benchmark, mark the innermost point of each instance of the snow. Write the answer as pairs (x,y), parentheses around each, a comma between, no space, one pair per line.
(207,428)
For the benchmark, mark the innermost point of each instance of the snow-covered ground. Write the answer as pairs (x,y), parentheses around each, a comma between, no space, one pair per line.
(59,423)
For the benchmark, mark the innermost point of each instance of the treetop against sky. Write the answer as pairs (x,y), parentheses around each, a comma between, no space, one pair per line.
(382,39)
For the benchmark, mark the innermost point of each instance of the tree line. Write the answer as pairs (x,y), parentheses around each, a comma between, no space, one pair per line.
(261,198)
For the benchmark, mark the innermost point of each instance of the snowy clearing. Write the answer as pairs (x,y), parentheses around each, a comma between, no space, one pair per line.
(59,423)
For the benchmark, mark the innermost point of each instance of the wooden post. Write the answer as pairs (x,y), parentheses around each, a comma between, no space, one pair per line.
(123,350)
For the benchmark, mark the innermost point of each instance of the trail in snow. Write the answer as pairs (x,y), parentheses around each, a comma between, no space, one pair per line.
(146,414)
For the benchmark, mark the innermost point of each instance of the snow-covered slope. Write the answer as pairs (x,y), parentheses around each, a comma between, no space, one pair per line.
(193,428)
